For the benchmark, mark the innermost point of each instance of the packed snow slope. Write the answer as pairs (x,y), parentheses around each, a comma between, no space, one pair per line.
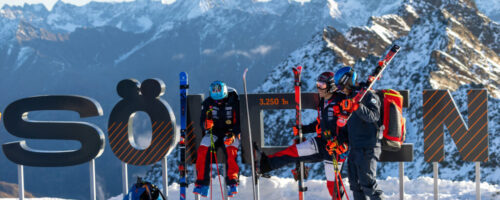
(420,188)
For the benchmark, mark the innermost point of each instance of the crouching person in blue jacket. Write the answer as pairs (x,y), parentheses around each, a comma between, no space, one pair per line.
(364,143)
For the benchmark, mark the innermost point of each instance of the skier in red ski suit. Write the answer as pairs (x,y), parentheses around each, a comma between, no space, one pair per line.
(221,123)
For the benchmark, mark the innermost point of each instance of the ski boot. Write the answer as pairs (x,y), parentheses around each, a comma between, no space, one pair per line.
(201,190)
(232,190)
(261,162)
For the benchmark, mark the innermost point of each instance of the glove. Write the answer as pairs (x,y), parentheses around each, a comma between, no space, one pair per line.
(295,130)
(209,124)
(229,139)
(341,121)
(349,105)
(331,146)
(296,133)
(342,149)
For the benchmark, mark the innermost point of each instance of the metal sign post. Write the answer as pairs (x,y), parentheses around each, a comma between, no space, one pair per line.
(436,189)
(124,178)
(164,165)
(20,178)
(92,179)
(401,180)
(478,181)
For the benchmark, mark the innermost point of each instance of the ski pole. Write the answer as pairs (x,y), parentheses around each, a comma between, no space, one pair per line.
(214,154)
(255,180)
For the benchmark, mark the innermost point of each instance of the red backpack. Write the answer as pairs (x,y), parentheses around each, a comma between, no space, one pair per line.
(391,122)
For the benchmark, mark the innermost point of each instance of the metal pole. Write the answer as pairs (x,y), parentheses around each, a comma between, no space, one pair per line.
(92,179)
(401,180)
(257,191)
(20,179)
(124,179)
(165,176)
(478,181)
(436,190)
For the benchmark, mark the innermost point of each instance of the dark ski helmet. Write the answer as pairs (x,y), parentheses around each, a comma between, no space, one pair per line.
(218,90)
(325,81)
(345,77)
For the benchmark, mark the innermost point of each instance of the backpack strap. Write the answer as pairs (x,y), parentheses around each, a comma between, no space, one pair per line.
(161,194)
(148,191)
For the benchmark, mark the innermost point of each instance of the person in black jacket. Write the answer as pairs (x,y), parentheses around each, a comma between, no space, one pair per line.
(364,141)
(221,123)
(329,141)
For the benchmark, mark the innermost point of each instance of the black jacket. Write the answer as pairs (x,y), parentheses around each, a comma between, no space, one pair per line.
(327,120)
(225,114)
(362,126)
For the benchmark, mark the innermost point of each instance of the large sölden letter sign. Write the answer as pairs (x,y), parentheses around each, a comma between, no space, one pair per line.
(440,110)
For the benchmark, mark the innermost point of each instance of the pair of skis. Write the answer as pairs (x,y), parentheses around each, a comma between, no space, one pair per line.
(376,74)
(297,71)
(184,86)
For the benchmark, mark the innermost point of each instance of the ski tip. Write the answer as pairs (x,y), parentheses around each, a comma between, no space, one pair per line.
(245,72)
(297,69)
(395,48)
(182,75)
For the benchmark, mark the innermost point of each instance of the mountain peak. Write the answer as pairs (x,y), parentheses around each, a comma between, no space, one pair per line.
(10,190)
(27,32)
(444,45)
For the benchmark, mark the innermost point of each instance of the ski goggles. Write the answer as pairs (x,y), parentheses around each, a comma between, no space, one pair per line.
(321,85)
(216,89)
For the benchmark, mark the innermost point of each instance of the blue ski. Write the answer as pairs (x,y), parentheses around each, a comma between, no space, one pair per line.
(183,77)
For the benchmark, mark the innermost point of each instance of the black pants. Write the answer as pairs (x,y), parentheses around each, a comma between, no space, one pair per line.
(362,172)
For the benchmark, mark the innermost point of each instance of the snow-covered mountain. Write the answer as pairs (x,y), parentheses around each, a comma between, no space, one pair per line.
(444,45)
(86,50)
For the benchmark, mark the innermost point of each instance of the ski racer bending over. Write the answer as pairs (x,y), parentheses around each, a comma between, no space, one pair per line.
(330,141)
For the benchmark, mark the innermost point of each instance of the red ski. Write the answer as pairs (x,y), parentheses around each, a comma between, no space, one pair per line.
(377,73)
(298,121)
